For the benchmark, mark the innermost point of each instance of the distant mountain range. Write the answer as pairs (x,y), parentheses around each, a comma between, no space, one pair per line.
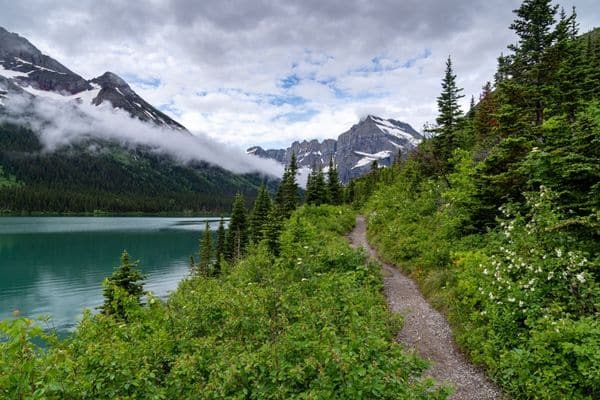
(100,174)
(372,139)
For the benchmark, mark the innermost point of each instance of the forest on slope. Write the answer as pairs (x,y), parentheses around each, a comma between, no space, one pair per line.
(498,215)
(100,176)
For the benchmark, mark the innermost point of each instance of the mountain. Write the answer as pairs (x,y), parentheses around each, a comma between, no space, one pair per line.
(39,75)
(95,174)
(372,139)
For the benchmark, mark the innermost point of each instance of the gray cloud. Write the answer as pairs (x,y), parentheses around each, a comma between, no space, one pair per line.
(250,46)
(63,123)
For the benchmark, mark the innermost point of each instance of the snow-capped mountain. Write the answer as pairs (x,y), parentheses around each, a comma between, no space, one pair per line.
(25,70)
(372,139)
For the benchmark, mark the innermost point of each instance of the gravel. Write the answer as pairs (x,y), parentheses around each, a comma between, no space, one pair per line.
(427,332)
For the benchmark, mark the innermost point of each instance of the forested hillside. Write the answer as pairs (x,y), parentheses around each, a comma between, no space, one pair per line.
(99,176)
(498,216)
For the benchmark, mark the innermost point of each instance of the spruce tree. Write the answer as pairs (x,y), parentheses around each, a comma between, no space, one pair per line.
(272,230)
(447,129)
(334,187)
(220,249)
(129,281)
(288,192)
(237,234)
(528,66)
(205,253)
(259,214)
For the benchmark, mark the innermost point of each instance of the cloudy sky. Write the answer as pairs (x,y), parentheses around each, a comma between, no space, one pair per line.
(270,72)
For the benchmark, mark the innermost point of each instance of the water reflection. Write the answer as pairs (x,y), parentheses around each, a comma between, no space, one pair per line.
(55,266)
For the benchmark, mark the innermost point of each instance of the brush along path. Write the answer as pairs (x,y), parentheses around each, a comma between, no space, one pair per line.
(426,330)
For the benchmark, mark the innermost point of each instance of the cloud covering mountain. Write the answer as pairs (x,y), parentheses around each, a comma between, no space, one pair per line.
(271,72)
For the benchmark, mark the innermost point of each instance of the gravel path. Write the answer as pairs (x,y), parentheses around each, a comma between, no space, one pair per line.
(427,331)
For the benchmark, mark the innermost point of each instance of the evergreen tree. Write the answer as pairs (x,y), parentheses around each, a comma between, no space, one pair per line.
(205,253)
(334,187)
(316,190)
(126,280)
(288,192)
(485,124)
(528,66)
(220,248)
(237,235)
(259,214)
(447,129)
(272,230)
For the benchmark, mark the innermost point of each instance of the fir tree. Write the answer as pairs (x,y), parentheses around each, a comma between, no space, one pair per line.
(205,253)
(259,214)
(127,280)
(220,250)
(272,230)
(287,194)
(334,188)
(447,129)
(528,66)
(237,235)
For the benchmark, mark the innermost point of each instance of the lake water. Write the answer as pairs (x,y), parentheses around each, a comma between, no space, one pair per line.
(55,265)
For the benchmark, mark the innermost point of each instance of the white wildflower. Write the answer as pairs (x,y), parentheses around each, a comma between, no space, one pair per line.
(580,277)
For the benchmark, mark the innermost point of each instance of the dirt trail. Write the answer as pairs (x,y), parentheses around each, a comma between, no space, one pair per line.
(427,331)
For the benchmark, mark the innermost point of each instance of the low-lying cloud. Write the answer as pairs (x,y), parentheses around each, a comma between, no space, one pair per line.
(64,123)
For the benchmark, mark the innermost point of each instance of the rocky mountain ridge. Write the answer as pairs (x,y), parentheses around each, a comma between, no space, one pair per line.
(372,139)
(25,70)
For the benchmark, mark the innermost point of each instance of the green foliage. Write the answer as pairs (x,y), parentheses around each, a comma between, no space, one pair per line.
(309,324)
(287,197)
(109,179)
(205,262)
(334,188)
(123,289)
(237,232)
(316,188)
(259,215)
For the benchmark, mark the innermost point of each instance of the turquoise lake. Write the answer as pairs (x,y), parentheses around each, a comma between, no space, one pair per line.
(54,266)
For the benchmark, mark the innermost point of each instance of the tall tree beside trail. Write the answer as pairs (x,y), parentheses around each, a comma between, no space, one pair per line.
(126,281)
(529,68)
(205,253)
(287,197)
(259,215)
(447,127)
(485,123)
(237,233)
(334,188)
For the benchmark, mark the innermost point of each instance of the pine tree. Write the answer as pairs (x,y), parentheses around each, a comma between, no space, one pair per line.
(485,124)
(205,253)
(528,66)
(447,136)
(287,194)
(259,214)
(237,235)
(220,249)
(272,230)
(334,188)
(126,279)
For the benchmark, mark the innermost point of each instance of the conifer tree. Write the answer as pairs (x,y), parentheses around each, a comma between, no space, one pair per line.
(272,230)
(485,123)
(447,135)
(237,235)
(287,194)
(259,214)
(127,279)
(220,249)
(205,253)
(528,65)
(334,188)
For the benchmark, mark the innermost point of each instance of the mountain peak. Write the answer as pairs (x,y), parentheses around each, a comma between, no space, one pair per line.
(111,79)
